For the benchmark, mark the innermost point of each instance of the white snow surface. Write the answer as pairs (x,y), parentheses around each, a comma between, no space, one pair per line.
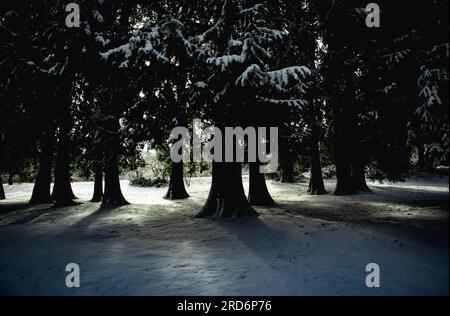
(306,245)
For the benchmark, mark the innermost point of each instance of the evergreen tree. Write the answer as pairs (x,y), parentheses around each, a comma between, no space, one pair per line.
(238,47)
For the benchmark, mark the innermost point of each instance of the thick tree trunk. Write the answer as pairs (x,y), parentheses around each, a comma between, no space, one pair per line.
(62,189)
(258,193)
(316,185)
(344,179)
(344,156)
(287,172)
(177,190)
(53,194)
(41,190)
(113,196)
(10,179)
(351,179)
(2,191)
(360,179)
(98,184)
(227,197)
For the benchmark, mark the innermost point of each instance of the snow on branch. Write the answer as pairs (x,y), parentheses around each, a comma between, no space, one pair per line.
(123,49)
(278,79)
(234,43)
(428,84)
(271,34)
(250,50)
(283,78)
(142,42)
(396,56)
(225,61)
(217,28)
(289,102)
(445,46)
(174,28)
(254,11)
(251,76)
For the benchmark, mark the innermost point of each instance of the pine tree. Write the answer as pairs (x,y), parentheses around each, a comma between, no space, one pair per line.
(238,48)
(340,69)
(27,91)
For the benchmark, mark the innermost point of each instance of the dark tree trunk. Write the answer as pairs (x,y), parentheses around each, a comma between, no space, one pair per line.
(227,197)
(344,109)
(41,190)
(424,163)
(351,178)
(258,193)
(421,156)
(62,189)
(360,179)
(344,179)
(2,191)
(177,190)
(98,184)
(344,152)
(287,172)
(113,196)
(10,179)
(53,194)
(316,185)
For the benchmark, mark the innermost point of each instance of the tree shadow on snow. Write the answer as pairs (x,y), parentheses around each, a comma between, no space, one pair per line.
(426,216)
(24,213)
(102,223)
(262,239)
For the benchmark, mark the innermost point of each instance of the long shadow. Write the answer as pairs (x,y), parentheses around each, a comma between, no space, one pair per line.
(6,207)
(272,245)
(81,226)
(364,214)
(80,231)
(31,212)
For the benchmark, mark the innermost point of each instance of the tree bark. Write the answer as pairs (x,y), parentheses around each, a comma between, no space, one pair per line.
(351,178)
(344,152)
(2,191)
(344,178)
(226,197)
(53,194)
(113,196)
(258,194)
(62,189)
(41,190)
(287,172)
(177,190)
(98,184)
(316,185)
(421,156)
(360,179)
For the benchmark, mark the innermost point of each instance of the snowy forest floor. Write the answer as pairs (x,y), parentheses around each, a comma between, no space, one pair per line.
(306,245)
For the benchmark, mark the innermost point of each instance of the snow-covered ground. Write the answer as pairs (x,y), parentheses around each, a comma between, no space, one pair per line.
(306,245)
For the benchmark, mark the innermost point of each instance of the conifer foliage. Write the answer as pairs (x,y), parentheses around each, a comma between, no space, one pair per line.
(87,100)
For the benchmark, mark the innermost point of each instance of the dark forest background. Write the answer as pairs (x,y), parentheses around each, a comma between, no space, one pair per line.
(370,102)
